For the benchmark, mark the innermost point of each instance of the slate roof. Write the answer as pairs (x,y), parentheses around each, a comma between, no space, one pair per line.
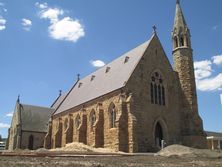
(58,101)
(35,118)
(102,82)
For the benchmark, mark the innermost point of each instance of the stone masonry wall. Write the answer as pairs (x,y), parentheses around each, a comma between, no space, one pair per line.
(100,134)
(38,139)
(146,115)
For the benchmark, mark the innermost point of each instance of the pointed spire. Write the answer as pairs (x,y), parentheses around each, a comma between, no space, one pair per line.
(179,21)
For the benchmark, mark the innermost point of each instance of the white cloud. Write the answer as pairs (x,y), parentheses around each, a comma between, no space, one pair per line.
(41,5)
(3,125)
(52,14)
(217,60)
(9,114)
(2,4)
(67,29)
(2,24)
(202,69)
(210,84)
(97,63)
(26,24)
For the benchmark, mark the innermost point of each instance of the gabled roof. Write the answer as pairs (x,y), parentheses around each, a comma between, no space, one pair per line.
(35,118)
(111,77)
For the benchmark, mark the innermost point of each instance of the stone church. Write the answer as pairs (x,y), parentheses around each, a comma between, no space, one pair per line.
(29,126)
(136,101)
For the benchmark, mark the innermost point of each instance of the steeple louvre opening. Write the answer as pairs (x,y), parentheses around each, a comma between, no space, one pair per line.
(181,41)
(181,33)
(175,42)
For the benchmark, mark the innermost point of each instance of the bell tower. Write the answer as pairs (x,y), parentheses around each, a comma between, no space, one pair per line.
(183,58)
(192,125)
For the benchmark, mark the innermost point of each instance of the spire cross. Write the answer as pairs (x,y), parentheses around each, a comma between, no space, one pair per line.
(18,99)
(178,1)
(60,92)
(154,29)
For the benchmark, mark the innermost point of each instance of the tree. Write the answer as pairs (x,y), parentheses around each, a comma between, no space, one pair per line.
(0,137)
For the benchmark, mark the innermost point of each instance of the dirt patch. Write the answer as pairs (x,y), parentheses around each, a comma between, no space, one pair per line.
(183,151)
(103,161)
(80,147)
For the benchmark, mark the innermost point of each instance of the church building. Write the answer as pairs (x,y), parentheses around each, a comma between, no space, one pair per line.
(136,101)
(29,126)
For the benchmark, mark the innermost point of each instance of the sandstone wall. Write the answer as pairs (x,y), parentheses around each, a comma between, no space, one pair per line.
(100,134)
(148,114)
(38,139)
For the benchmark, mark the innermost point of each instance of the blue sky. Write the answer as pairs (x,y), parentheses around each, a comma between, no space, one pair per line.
(45,44)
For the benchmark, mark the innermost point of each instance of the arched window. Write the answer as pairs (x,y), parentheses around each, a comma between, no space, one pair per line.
(188,44)
(181,41)
(152,93)
(163,95)
(31,142)
(78,121)
(92,119)
(175,42)
(66,124)
(157,94)
(112,116)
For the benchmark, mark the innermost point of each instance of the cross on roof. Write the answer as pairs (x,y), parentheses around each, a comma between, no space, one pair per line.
(18,99)
(78,77)
(154,29)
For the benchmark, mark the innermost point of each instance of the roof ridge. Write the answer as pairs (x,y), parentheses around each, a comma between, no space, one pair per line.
(35,106)
(65,96)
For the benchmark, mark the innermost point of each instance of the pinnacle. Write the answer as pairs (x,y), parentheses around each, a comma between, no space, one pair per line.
(179,21)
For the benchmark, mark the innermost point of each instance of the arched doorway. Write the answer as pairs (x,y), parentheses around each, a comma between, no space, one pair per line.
(31,141)
(158,135)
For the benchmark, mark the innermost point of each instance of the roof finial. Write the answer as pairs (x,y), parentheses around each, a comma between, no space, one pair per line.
(60,92)
(154,29)
(178,1)
(18,99)
(78,77)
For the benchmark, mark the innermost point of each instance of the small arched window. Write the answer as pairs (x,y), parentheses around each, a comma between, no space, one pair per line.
(175,42)
(78,121)
(31,142)
(157,94)
(112,116)
(92,119)
(187,40)
(181,41)
(66,124)
(152,93)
